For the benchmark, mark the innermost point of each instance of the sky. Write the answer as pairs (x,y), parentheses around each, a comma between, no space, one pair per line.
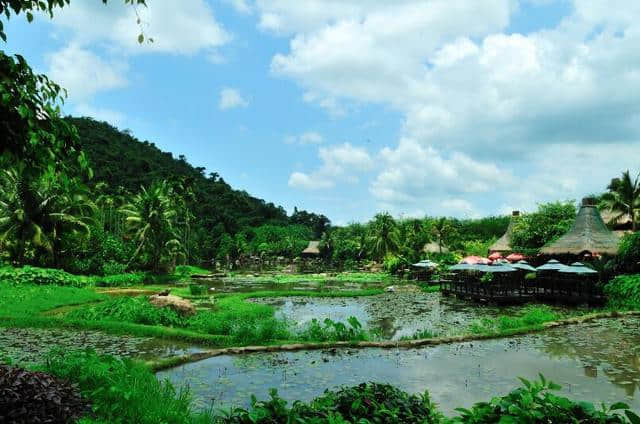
(352,107)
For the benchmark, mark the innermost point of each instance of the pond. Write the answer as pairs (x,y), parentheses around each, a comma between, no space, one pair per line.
(28,345)
(396,315)
(596,362)
(248,284)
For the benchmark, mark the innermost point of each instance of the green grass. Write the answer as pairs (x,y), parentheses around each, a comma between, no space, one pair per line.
(30,299)
(531,317)
(123,391)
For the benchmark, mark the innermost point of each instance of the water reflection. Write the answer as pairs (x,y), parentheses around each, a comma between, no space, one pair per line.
(592,362)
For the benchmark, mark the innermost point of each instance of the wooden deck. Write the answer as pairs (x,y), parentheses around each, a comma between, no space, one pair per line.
(519,290)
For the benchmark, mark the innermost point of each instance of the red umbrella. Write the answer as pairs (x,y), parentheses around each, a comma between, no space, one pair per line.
(495,255)
(515,257)
(473,260)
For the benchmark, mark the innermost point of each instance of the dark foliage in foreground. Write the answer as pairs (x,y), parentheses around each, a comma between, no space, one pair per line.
(36,397)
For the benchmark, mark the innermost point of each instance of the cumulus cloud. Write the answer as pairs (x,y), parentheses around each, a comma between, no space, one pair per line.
(485,111)
(230,98)
(178,27)
(307,137)
(84,73)
(339,163)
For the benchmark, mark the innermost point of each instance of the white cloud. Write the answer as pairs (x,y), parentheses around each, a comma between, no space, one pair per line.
(230,98)
(240,6)
(178,27)
(488,116)
(339,163)
(83,73)
(307,137)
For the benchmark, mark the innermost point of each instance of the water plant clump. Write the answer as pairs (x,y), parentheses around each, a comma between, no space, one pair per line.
(331,331)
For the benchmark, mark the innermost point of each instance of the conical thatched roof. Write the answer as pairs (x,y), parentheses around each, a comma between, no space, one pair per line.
(503,244)
(433,247)
(588,234)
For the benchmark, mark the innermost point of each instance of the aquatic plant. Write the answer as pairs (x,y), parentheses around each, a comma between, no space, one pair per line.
(334,331)
(534,403)
(530,317)
(135,310)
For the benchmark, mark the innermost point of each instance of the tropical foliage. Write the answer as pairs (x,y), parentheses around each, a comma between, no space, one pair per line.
(623,197)
(550,221)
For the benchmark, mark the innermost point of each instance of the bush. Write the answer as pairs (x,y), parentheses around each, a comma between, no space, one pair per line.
(122,391)
(197,289)
(121,280)
(334,331)
(112,268)
(534,403)
(41,276)
(393,264)
(135,310)
(37,397)
(623,292)
(365,403)
(628,259)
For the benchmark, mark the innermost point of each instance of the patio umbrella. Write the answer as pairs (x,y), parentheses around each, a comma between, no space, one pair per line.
(552,265)
(515,257)
(461,267)
(495,256)
(578,268)
(496,268)
(523,265)
(472,260)
(425,264)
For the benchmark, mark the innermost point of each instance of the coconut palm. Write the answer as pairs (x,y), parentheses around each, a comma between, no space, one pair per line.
(623,197)
(443,232)
(36,214)
(150,218)
(384,236)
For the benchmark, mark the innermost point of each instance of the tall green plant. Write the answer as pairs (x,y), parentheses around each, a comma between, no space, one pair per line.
(623,197)
(150,218)
(384,236)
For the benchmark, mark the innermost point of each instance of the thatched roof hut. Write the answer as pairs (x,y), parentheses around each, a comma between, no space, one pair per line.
(588,234)
(433,247)
(313,249)
(503,244)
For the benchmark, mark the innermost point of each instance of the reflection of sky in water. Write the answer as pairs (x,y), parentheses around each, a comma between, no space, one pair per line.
(397,315)
(455,375)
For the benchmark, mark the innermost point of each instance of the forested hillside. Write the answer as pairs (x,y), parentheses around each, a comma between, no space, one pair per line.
(126,163)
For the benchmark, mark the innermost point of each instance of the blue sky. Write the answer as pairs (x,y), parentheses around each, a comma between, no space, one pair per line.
(348,107)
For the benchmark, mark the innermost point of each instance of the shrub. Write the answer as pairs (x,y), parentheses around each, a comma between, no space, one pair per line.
(37,397)
(122,391)
(197,289)
(112,268)
(135,310)
(623,292)
(41,276)
(364,403)
(393,264)
(121,280)
(628,259)
(334,331)
(534,403)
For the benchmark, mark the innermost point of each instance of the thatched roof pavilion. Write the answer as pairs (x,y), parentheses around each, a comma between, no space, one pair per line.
(313,249)
(503,244)
(588,234)
(433,247)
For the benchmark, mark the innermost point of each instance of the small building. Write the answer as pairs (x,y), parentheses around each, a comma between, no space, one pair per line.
(312,250)
(503,244)
(588,235)
(435,247)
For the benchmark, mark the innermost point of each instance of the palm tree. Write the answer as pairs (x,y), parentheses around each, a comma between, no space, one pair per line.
(384,236)
(443,231)
(36,215)
(150,218)
(623,197)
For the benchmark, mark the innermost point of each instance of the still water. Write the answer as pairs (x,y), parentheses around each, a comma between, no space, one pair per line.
(395,315)
(594,361)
